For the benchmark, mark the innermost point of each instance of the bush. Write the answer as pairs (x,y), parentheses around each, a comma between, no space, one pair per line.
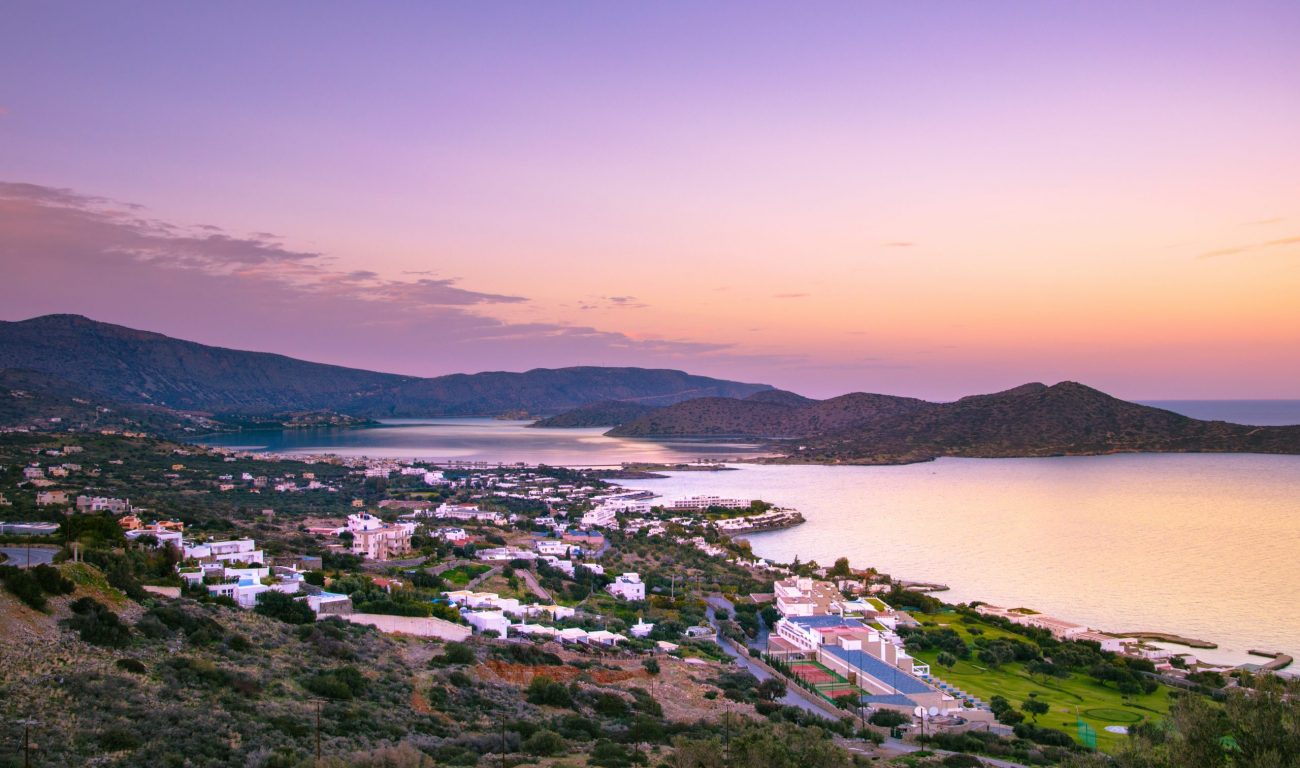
(132,665)
(544,743)
(543,691)
(98,625)
(457,653)
(339,684)
(24,586)
(118,738)
(279,605)
(888,718)
(651,666)
(51,581)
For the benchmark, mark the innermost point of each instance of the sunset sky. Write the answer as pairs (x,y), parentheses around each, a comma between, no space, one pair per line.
(924,198)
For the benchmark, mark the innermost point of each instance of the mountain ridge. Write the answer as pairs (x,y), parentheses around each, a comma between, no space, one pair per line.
(131,366)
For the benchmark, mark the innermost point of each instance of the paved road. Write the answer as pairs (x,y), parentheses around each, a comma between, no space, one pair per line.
(19,555)
(792,698)
(533,586)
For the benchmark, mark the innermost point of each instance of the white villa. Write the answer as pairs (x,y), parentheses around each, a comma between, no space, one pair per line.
(627,586)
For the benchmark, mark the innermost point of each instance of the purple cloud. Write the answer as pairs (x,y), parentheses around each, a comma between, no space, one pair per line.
(62,251)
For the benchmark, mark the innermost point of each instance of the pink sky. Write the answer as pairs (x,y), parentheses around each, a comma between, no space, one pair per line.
(928,200)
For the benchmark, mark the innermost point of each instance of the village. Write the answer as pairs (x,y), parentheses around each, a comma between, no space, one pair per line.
(558,558)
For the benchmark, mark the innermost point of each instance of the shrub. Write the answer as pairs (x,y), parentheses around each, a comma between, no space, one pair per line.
(610,705)
(651,666)
(51,581)
(24,586)
(888,718)
(544,743)
(543,691)
(118,738)
(278,605)
(458,653)
(339,684)
(98,625)
(132,665)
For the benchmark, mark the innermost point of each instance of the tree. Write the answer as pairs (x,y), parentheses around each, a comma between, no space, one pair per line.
(840,570)
(1035,707)
(1010,716)
(771,689)
(946,660)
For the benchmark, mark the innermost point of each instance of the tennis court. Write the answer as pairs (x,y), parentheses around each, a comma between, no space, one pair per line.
(812,672)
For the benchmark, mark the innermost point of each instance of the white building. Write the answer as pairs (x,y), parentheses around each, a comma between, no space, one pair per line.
(641,628)
(627,586)
(454,535)
(374,539)
(488,621)
(552,547)
(237,550)
(601,637)
(600,517)
(701,503)
(467,512)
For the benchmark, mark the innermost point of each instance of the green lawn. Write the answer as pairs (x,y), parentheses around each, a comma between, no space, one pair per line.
(463,574)
(1099,706)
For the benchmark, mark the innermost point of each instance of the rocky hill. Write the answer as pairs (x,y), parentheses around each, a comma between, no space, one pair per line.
(782,415)
(1031,420)
(1039,420)
(606,413)
(127,366)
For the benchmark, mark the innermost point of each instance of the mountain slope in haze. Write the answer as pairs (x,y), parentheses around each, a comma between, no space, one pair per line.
(41,402)
(539,391)
(606,413)
(128,366)
(776,416)
(614,413)
(1038,420)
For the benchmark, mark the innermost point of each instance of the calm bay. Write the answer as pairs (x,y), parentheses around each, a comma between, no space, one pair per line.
(1200,545)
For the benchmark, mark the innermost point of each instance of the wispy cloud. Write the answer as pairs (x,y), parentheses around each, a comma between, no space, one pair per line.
(899,244)
(612,302)
(64,251)
(790,295)
(1232,251)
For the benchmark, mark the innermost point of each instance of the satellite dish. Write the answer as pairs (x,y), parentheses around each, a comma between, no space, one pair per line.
(920,711)
(933,711)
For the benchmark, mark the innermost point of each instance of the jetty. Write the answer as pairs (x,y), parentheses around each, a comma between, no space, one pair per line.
(1279,660)
(1166,637)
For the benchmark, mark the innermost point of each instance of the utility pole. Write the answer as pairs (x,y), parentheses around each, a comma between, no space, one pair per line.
(27,741)
(503,741)
(318,732)
(727,719)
